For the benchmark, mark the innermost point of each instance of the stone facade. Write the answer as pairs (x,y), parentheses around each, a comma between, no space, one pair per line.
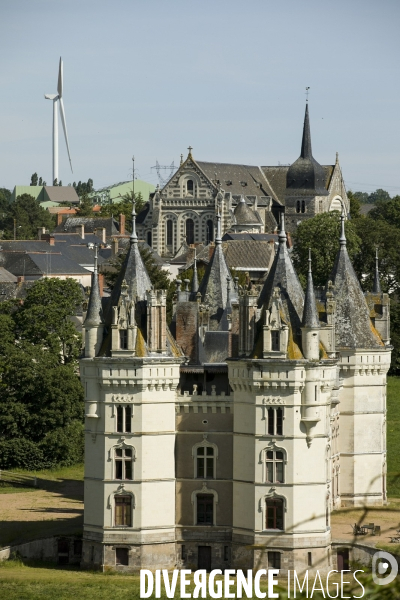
(228,439)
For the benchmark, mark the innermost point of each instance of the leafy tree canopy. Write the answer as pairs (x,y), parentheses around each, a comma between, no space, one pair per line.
(28,215)
(124,207)
(387,210)
(378,195)
(321,234)
(86,206)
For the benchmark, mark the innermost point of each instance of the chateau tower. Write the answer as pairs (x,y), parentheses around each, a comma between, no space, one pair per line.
(130,384)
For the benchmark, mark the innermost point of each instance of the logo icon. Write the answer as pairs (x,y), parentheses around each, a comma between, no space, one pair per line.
(384,568)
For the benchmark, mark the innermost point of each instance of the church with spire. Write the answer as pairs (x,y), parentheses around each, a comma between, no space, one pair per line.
(253,197)
(226,438)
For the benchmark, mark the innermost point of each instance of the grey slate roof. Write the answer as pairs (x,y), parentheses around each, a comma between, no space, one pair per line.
(310,314)
(283,276)
(7,276)
(276,177)
(248,254)
(244,215)
(34,264)
(94,315)
(306,175)
(259,237)
(90,223)
(353,323)
(10,290)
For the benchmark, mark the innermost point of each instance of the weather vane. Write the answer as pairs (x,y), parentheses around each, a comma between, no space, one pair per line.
(307,88)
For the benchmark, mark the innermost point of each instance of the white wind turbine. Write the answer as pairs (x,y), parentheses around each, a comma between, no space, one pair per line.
(56,98)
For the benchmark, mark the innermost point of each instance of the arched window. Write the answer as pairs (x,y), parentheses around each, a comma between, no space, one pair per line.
(169,232)
(209,231)
(190,231)
(189,186)
(303,206)
(123,463)
(274,513)
(298,206)
(123,511)
(149,238)
(274,466)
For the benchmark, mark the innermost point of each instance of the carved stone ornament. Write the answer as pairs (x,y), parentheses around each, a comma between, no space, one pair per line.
(273,400)
(122,398)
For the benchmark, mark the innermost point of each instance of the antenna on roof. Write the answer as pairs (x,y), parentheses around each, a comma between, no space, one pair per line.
(307,88)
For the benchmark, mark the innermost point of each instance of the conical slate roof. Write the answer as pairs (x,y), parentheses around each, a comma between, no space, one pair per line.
(283,276)
(214,282)
(353,323)
(306,176)
(94,315)
(133,272)
(244,215)
(310,314)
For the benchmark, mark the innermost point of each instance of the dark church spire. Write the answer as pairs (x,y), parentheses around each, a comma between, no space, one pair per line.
(306,151)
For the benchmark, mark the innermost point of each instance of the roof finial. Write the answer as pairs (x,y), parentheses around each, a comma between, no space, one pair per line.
(310,314)
(309,260)
(377,284)
(218,239)
(95,259)
(181,163)
(228,285)
(337,158)
(195,280)
(190,152)
(282,234)
(307,88)
(342,239)
(134,238)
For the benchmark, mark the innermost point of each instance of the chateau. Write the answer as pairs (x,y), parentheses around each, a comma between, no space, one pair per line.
(227,439)
(252,198)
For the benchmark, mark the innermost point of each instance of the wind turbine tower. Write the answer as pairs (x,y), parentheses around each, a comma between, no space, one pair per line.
(58,98)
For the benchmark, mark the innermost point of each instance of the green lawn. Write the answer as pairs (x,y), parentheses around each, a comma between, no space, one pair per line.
(393,437)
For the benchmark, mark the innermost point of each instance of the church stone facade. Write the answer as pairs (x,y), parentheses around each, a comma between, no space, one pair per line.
(184,210)
(227,439)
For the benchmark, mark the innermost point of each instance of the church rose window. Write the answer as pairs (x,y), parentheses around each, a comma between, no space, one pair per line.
(274,513)
(190,231)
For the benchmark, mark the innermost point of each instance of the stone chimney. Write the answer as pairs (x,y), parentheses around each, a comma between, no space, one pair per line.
(122,224)
(101,284)
(101,233)
(114,246)
(157,321)
(52,240)
(41,231)
(20,278)
(59,218)
(80,230)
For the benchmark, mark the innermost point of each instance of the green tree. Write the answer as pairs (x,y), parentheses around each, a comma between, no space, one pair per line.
(321,234)
(28,215)
(55,182)
(362,197)
(387,210)
(45,317)
(379,196)
(86,207)
(40,181)
(124,207)
(355,205)
(34,179)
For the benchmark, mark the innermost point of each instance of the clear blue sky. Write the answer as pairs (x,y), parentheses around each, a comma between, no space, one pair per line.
(151,77)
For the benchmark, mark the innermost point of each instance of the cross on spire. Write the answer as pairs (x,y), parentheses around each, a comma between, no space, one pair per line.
(190,151)
(307,92)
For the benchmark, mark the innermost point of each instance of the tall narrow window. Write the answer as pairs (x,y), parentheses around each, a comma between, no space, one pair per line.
(149,238)
(205,509)
(298,206)
(190,231)
(123,339)
(274,466)
(123,511)
(205,462)
(124,418)
(303,206)
(275,421)
(209,231)
(189,186)
(123,463)
(169,232)
(274,513)
(275,342)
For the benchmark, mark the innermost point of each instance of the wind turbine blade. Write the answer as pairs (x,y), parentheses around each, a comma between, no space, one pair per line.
(64,124)
(60,79)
